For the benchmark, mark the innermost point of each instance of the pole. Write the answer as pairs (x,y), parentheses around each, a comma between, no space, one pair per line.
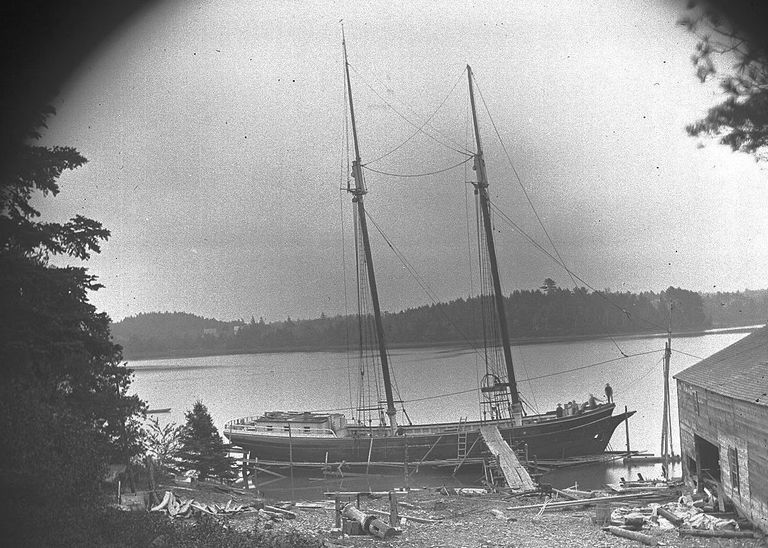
(626,427)
(290,454)
(358,192)
(666,427)
(482,189)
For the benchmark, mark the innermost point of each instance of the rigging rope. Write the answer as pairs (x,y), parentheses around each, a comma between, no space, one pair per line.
(559,260)
(406,118)
(556,261)
(470,390)
(420,128)
(404,175)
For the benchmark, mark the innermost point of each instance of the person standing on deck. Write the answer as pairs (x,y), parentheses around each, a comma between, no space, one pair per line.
(609,393)
(559,411)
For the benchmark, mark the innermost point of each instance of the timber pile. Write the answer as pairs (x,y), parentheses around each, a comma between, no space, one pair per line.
(176,507)
(684,515)
(515,473)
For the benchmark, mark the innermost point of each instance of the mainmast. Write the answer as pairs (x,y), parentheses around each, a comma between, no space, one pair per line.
(482,189)
(357,198)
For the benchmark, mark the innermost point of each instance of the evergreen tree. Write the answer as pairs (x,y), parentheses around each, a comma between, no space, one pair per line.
(202,448)
(65,411)
(733,30)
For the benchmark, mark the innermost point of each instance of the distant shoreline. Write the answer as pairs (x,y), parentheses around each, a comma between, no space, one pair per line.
(520,341)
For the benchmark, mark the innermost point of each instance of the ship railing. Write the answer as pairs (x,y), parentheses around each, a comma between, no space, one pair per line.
(245,427)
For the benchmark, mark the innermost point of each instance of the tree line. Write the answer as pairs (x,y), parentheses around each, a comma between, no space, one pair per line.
(548,312)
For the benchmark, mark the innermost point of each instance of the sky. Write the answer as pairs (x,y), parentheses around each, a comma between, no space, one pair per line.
(216,143)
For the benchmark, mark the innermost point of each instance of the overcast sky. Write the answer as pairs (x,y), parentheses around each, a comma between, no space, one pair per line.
(215,138)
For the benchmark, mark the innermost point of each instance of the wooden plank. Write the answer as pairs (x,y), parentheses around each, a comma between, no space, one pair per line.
(514,472)
(582,502)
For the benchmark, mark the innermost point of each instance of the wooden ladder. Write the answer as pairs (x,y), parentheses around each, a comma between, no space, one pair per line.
(494,476)
(461,439)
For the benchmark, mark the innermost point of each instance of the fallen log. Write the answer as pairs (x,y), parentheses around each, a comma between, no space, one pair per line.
(286,513)
(371,524)
(648,540)
(274,516)
(717,533)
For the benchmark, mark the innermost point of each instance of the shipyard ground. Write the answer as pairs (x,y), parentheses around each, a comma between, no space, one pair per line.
(460,521)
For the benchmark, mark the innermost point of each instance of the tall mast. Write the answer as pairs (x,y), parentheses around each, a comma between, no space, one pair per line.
(482,189)
(357,198)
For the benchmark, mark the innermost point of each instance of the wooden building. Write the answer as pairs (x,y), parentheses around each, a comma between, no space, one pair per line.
(723,410)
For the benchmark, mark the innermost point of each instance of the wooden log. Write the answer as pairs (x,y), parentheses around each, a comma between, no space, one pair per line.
(717,533)
(670,517)
(648,540)
(414,519)
(286,513)
(371,524)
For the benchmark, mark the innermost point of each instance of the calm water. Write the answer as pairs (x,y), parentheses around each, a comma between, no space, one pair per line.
(249,384)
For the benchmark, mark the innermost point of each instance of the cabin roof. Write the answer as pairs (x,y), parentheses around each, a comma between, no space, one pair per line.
(739,371)
(293,416)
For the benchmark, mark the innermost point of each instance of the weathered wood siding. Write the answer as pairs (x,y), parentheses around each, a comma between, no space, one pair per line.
(738,429)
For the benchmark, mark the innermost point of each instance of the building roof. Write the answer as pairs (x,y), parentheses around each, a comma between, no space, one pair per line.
(739,371)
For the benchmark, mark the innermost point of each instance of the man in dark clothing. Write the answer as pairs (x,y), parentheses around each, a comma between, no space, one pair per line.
(609,393)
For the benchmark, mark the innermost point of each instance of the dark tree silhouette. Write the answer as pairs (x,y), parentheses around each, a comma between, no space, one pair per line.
(726,31)
(65,410)
(202,448)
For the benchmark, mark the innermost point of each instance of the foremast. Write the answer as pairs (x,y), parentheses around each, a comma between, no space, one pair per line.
(357,198)
(481,187)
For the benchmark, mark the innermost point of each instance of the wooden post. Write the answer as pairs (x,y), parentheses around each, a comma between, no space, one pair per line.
(405,460)
(153,498)
(119,486)
(394,518)
(626,427)
(246,456)
(370,450)
(337,504)
(290,456)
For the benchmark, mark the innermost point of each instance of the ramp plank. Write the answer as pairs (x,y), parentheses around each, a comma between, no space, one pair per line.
(515,473)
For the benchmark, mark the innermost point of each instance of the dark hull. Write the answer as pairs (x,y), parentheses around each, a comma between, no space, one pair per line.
(585,434)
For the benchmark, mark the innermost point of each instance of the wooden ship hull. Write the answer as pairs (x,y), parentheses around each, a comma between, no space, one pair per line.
(291,440)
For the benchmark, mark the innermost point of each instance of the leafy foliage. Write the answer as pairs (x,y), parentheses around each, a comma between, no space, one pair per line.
(741,120)
(202,448)
(162,443)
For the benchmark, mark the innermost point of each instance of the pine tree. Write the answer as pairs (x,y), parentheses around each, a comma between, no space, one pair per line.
(202,448)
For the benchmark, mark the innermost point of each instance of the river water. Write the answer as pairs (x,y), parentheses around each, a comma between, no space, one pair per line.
(548,373)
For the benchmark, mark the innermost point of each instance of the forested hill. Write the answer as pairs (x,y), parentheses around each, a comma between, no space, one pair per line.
(531,314)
